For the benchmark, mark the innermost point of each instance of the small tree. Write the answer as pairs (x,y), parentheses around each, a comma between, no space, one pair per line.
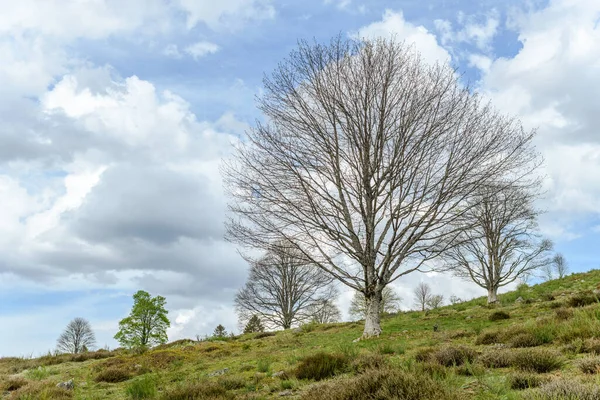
(77,337)
(219,331)
(325,312)
(422,295)
(455,300)
(560,265)
(500,243)
(147,323)
(282,288)
(435,301)
(254,325)
(390,303)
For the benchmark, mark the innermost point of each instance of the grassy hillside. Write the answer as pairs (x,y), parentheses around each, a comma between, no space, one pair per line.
(544,347)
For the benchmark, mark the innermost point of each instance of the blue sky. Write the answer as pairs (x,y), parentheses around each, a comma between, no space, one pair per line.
(117,115)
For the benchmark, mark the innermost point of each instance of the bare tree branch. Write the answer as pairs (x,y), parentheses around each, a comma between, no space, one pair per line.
(77,337)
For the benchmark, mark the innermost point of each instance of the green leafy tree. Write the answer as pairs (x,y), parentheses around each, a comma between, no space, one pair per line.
(220,331)
(147,324)
(254,325)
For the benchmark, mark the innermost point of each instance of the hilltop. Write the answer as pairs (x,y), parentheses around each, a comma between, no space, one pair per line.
(541,342)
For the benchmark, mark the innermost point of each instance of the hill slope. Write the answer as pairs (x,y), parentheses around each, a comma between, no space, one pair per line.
(550,339)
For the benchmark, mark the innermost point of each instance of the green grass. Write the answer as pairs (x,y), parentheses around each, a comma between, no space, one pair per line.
(550,343)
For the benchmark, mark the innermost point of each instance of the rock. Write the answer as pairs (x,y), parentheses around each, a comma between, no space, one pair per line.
(519,300)
(436,327)
(286,393)
(356,340)
(219,372)
(405,331)
(468,317)
(68,385)
(280,374)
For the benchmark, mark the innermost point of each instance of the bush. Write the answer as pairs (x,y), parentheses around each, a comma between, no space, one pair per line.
(262,335)
(425,354)
(232,383)
(37,374)
(496,359)
(454,355)
(547,297)
(583,299)
(499,316)
(537,360)
(489,337)
(113,375)
(592,346)
(263,365)
(198,391)
(564,390)
(142,388)
(41,391)
(12,384)
(365,362)
(382,384)
(433,369)
(521,380)
(321,366)
(556,304)
(524,340)
(589,365)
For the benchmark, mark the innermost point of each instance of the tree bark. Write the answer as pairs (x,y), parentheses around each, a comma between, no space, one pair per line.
(492,295)
(372,317)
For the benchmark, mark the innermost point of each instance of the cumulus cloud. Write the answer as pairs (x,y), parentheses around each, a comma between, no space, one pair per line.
(393,24)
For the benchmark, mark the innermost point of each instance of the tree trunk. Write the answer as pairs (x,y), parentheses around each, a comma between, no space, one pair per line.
(492,295)
(372,317)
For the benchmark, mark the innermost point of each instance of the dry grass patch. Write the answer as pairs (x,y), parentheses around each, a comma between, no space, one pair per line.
(564,390)
(537,360)
(321,366)
(40,391)
(524,380)
(198,391)
(114,375)
(589,365)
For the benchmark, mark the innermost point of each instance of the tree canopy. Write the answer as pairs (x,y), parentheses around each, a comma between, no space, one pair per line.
(147,323)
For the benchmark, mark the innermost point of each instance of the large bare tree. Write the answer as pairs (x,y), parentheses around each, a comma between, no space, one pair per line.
(390,303)
(283,288)
(502,243)
(365,161)
(77,337)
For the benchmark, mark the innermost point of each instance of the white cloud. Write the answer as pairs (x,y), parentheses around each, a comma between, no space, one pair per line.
(552,84)
(393,24)
(172,50)
(201,49)
(226,14)
(476,30)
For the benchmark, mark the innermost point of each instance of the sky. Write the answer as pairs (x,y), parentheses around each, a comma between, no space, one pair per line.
(117,115)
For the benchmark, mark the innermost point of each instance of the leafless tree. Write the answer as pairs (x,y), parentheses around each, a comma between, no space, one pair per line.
(367,158)
(455,300)
(546,272)
(422,295)
(560,265)
(77,336)
(435,301)
(325,312)
(390,303)
(283,287)
(502,244)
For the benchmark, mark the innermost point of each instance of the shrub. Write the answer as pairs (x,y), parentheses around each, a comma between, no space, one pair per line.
(499,316)
(489,337)
(232,382)
(454,355)
(524,340)
(537,360)
(12,384)
(556,304)
(320,366)
(591,346)
(113,375)
(521,380)
(262,335)
(496,359)
(37,374)
(547,297)
(382,384)
(564,390)
(589,365)
(365,362)
(582,299)
(263,365)
(142,388)
(425,354)
(469,369)
(198,391)
(41,391)
(433,369)
(287,385)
